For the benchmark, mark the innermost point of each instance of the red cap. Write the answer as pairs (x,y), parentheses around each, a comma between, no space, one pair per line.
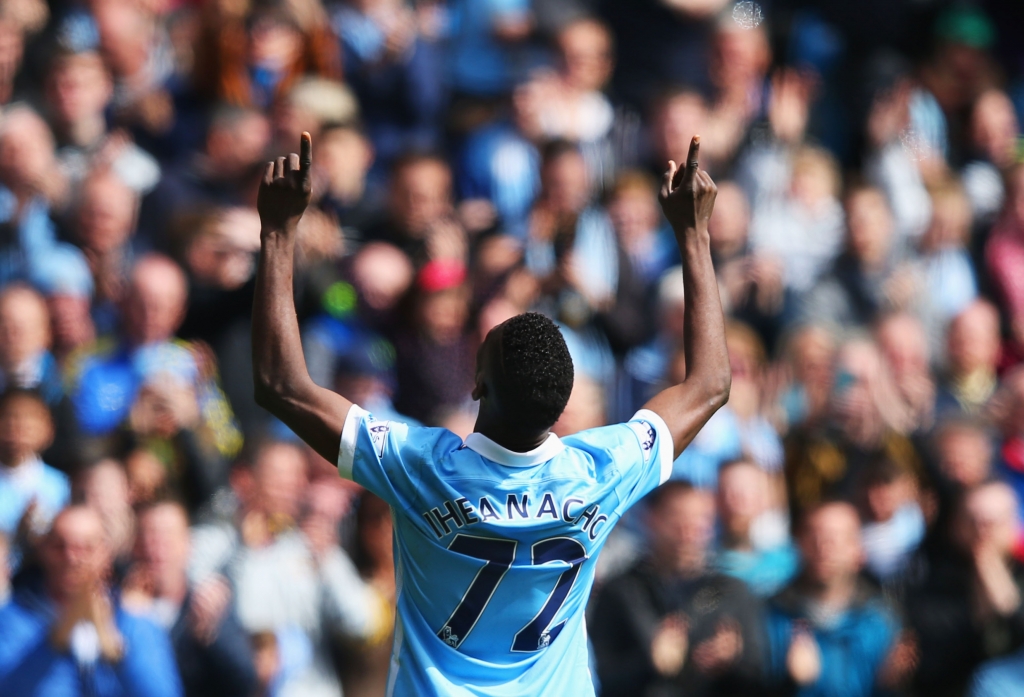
(441,274)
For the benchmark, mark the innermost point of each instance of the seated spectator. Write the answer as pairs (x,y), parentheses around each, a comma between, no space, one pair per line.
(70,636)
(972,358)
(222,173)
(434,356)
(893,524)
(29,184)
(344,155)
(382,276)
(801,224)
(633,210)
(963,448)
(829,633)
(396,73)
(864,421)
(656,629)
(25,358)
(365,374)
(750,548)
(31,492)
(810,356)
(945,260)
(104,226)
(295,596)
(968,608)
(78,90)
(212,650)
(66,280)
(103,487)
(108,381)
(867,278)
(1008,408)
(420,211)
(751,285)
(905,347)
(1004,254)
(994,133)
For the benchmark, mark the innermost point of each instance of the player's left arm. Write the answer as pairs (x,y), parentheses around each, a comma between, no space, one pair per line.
(688,197)
(282,383)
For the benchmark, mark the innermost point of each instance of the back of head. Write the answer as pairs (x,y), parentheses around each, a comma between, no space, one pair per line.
(534,374)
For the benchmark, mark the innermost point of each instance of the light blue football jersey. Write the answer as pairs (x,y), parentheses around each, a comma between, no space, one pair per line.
(495,550)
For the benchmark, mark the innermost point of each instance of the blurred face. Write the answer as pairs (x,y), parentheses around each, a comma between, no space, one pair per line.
(565,185)
(742,496)
(904,345)
(383,274)
(994,127)
(813,181)
(869,226)
(675,124)
(26,150)
(273,44)
(236,146)
(223,255)
(885,499)
(106,215)
(74,555)
(634,213)
(682,526)
(155,304)
(345,157)
(740,54)
(965,457)
(444,313)
(280,480)
(79,88)
(71,321)
(813,356)
(24,327)
(126,36)
(858,369)
(728,226)
(25,429)
(420,196)
(104,487)
(974,339)
(162,541)
(990,518)
(586,50)
(830,544)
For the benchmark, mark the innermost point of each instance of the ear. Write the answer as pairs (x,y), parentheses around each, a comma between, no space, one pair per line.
(479,389)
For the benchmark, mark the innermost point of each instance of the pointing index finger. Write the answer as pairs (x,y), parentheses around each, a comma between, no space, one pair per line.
(692,159)
(306,152)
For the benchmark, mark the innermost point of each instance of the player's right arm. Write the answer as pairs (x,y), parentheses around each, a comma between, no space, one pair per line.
(282,383)
(687,197)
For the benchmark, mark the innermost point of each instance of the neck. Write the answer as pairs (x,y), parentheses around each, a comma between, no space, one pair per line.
(516,441)
(738,540)
(173,588)
(13,460)
(836,594)
(86,131)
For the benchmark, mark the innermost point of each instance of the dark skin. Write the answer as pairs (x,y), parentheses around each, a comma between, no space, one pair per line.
(317,415)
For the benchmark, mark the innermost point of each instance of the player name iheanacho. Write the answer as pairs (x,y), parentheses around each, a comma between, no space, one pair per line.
(452,515)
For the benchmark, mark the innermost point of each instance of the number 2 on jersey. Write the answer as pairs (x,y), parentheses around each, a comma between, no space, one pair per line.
(498,555)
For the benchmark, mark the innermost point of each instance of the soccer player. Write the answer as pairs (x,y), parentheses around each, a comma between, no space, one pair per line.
(496,537)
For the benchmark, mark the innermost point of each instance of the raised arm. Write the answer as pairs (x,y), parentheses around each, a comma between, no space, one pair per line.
(282,383)
(688,197)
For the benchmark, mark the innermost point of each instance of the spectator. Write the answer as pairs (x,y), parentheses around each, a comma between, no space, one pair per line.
(655,629)
(750,548)
(166,386)
(811,353)
(968,608)
(949,277)
(483,49)
(344,156)
(395,72)
(25,358)
(964,451)
(66,280)
(894,524)
(1004,254)
(905,347)
(78,90)
(31,492)
(294,595)
(994,137)
(70,636)
(103,487)
(828,632)
(212,651)
(972,357)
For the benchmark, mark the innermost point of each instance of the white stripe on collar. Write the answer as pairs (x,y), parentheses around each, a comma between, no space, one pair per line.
(484,446)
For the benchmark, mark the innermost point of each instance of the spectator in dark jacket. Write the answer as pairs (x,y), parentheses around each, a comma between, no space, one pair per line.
(671,625)
(212,650)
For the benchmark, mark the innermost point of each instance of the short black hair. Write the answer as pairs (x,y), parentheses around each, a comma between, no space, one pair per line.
(536,374)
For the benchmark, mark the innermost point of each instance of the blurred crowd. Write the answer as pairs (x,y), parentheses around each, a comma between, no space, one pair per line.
(849,524)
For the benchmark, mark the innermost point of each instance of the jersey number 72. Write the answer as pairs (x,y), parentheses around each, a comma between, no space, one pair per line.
(498,555)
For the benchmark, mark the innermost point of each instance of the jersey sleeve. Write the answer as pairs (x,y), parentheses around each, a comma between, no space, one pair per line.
(637,453)
(382,455)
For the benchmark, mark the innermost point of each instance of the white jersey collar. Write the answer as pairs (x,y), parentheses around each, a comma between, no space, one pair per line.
(485,447)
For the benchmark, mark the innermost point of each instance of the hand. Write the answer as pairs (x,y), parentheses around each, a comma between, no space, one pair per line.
(286,189)
(210,600)
(688,194)
(900,664)
(997,590)
(669,646)
(803,660)
(720,651)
